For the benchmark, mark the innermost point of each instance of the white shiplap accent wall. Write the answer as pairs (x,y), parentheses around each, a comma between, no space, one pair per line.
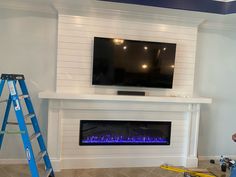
(75,49)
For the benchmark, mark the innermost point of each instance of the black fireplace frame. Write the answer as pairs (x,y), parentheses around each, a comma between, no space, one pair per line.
(168,123)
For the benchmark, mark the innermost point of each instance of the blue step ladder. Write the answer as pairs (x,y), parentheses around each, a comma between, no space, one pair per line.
(22,121)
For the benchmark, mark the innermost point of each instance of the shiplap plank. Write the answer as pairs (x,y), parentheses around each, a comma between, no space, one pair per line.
(134,36)
(65,19)
(79,51)
(71,116)
(83,46)
(113,90)
(89,39)
(106,29)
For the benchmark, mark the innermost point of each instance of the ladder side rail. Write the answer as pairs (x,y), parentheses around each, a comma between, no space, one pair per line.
(23,128)
(2,82)
(5,119)
(36,127)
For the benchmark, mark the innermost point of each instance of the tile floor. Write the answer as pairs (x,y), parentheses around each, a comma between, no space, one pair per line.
(23,171)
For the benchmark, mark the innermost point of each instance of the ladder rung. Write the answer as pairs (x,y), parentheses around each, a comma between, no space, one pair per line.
(29,116)
(12,123)
(40,156)
(48,172)
(35,135)
(15,123)
(20,97)
(12,132)
(23,96)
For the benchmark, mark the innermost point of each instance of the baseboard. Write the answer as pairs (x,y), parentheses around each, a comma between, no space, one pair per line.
(79,163)
(191,162)
(13,161)
(56,164)
(215,157)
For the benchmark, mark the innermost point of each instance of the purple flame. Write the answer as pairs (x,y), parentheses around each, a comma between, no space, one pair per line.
(108,139)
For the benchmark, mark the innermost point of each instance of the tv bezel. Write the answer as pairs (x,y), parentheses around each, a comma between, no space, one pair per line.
(128,86)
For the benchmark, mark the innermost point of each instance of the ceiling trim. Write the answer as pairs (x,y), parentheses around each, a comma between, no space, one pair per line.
(208,6)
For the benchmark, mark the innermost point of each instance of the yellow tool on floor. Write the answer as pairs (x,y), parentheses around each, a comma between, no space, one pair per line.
(180,170)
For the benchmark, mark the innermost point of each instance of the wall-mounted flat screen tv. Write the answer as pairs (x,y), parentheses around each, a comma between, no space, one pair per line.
(121,62)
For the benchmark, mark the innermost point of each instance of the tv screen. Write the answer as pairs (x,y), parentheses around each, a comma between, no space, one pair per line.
(121,62)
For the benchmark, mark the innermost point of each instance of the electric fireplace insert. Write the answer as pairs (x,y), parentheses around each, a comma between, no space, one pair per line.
(103,132)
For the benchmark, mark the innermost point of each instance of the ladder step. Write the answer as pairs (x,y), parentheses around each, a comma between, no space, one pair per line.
(40,156)
(35,135)
(12,132)
(29,116)
(48,172)
(12,123)
(15,123)
(23,96)
(12,77)
(20,97)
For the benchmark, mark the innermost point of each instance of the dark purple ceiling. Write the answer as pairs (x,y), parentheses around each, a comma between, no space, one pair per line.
(209,6)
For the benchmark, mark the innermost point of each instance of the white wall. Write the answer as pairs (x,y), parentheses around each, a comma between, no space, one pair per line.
(215,78)
(28,46)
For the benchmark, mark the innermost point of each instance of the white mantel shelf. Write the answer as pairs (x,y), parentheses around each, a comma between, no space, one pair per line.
(69,96)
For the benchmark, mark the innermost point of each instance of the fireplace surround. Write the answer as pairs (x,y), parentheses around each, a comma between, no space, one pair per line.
(67,110)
